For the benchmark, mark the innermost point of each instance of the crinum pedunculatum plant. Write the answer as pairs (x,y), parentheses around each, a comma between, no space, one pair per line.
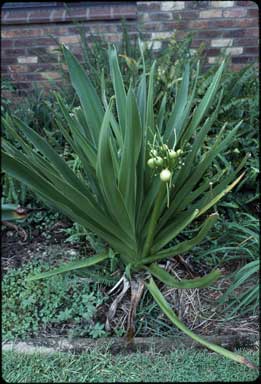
(146,177)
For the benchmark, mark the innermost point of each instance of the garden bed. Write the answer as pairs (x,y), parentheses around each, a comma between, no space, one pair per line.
(191,304)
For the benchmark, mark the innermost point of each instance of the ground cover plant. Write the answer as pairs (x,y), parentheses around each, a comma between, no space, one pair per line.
(32,308)
(147,177)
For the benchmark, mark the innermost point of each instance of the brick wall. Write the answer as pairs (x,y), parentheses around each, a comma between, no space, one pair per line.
(229,25)
(31,32)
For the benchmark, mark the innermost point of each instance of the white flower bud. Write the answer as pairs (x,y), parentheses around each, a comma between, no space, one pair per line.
(165,175)
(172,154)
(151,163)
(158,161)
(153,152)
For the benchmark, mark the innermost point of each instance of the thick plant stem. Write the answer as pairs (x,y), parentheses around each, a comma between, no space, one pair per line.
(137,287)
(153,221)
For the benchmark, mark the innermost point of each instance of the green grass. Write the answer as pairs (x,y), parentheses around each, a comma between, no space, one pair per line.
(179,366)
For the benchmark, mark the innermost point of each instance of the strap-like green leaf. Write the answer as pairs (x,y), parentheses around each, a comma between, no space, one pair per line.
(68,267)
(168,279)
(184,172)
(90,101)
(162,113)
(130,155)
(118,86)
(172,230)
(220,195)
(217,189)
(186,245)
(78,137)
(50,154)
(184,189)
(67,205)
(142,98)
(161,301)
(176,118)
(204,105)
(108,179)
(150,127)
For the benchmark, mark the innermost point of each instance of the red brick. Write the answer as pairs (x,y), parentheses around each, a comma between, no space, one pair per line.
(187,15)
(100,13)
(235,12)
(79,15)
(22,32)
(6,43)
(149,6)
(244,23)
(253,12)
(18,68)
(212,51)
(56,30)
(44,41)
(8,60)
(113,38)
(37,51)
(201,24)
(251,51)
(14,17)
(70,30)
(234,33)
(40,15)
(49,75)
(237,67)
(209,33)
(76,49)
(131,27)
(242,59)
(177,24)
(245,42)
(18,76)
(170,25)
(160,16)
(126,11)
(13,52)
(252,32)
(152,27)
(4,15)
(48,58)
(41,67)
(180,35)
(243,3)
(210,13)
(196,42)
(58,15)
(70,39)
(222,23)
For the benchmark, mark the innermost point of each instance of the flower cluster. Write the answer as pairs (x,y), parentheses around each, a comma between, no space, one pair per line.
(163,160)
